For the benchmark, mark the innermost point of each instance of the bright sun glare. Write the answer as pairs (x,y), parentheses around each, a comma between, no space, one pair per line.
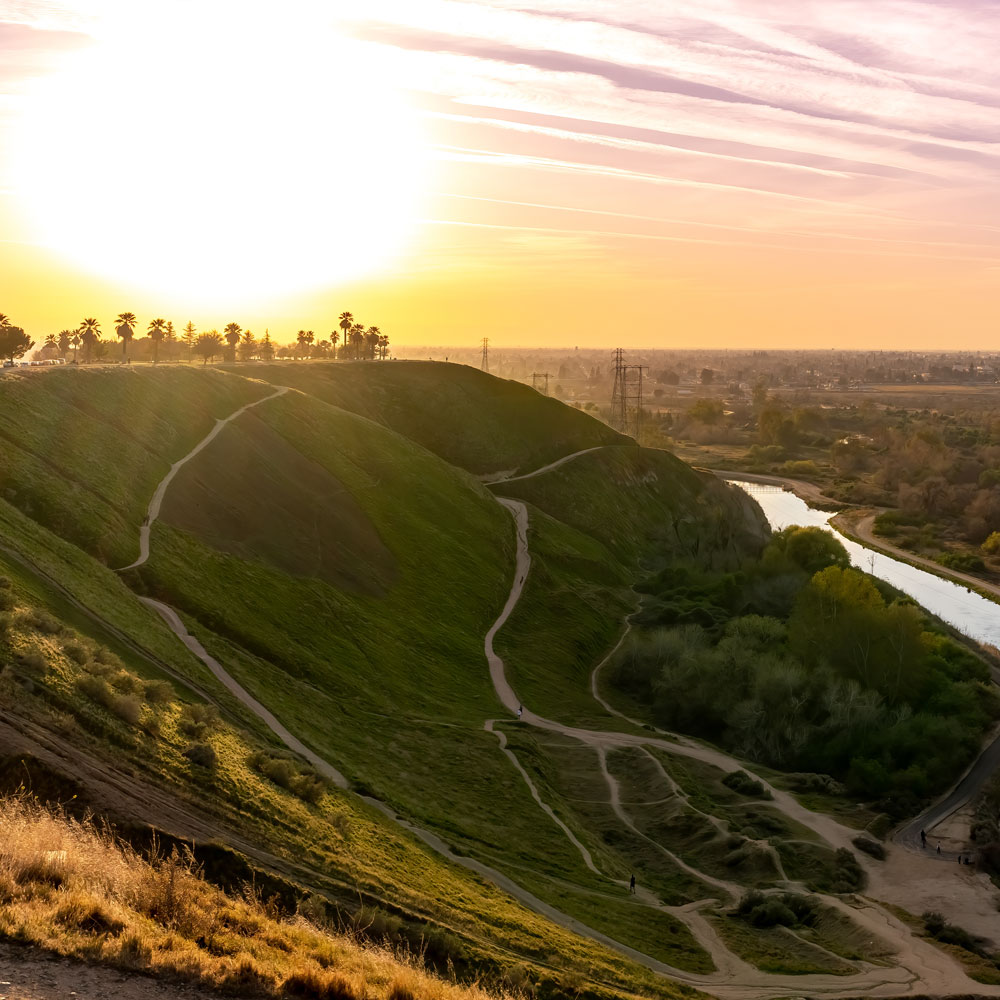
(221,160)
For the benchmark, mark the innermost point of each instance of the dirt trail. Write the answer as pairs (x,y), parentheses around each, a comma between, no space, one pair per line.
(920,968)
(545,468)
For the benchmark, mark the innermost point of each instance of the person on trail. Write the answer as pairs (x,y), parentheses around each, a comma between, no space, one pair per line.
(520,709)
(923,839)
(939,848)
(631,885)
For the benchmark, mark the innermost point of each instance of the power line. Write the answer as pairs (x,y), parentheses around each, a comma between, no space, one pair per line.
(486,355)
(535,376)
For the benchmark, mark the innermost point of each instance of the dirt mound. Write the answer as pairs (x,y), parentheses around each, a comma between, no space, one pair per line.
(252,494)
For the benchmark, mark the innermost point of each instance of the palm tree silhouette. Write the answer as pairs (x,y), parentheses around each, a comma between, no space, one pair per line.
(125,330)
(157,330)
(75,343)
(357,339)
(233,331)
(372,337)
(346,321)
(334,340)
(90,333)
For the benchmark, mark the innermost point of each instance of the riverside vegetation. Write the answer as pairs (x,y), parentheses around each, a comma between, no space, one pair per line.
(336,551)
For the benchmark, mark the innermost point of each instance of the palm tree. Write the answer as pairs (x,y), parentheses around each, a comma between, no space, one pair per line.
(157,330)
(357,339)
(383,344)
(233,331)
(90,334)
(75,342)
(334,340)
(304,340)
(346,322)
(125,329)
(371,341)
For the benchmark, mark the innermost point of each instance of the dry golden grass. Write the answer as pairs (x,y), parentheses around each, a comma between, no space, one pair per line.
(72,888)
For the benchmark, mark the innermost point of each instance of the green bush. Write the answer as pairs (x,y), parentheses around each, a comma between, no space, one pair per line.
(202,755)
(871,847)
(76,652)
(158,692)
(7,601)
(966,562)
(127,707)
(741,782)
(197,719)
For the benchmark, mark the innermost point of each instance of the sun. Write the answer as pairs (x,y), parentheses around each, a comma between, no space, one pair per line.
(221,161)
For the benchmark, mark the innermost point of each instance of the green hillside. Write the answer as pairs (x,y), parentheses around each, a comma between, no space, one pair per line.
(474,420)
(339,560)
(82,451)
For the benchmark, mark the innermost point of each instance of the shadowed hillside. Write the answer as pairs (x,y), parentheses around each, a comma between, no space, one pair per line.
(485,424)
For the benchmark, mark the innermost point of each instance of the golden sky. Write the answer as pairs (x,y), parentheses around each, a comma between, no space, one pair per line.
(650,173)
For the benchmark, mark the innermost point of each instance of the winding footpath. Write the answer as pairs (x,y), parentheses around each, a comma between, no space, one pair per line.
(920,968)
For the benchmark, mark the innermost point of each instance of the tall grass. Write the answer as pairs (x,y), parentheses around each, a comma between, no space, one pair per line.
(72,887)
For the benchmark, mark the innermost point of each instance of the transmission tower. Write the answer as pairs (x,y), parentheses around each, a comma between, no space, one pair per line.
(535,376)
(626,396)
(486,355)
(618,393)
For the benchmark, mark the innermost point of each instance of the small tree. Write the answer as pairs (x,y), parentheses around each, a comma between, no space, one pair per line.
(208,346)
(992,544)
(14,342)
(265,350)
(248,346)
(188,337)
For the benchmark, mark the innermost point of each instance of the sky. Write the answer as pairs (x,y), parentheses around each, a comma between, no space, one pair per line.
(647,173)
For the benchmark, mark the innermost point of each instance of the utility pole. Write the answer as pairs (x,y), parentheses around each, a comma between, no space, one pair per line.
(486,355)
(535,376)
(626,396)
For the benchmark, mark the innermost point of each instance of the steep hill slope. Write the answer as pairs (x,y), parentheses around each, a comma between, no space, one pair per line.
(474,420)
(82,451)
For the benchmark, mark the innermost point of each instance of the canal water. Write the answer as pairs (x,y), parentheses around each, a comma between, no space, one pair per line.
(976,616)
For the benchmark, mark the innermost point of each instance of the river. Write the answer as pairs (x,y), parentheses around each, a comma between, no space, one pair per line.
(976,616)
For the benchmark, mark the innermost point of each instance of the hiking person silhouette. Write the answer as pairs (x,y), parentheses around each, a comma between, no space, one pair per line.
(631,885)
(923,839)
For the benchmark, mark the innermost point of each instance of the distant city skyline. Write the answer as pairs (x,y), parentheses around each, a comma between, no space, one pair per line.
(728,173)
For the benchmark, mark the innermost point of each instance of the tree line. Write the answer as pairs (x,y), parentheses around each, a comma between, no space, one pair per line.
(349,340)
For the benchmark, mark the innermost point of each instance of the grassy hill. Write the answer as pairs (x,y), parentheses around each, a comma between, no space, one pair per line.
(335,551)
(472,419)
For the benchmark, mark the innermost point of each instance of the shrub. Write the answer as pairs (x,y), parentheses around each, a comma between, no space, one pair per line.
(134,953)
(964,561)
(741,782)
(849,876)
(76,652)
(158,692)
(202,755)
(33,660)
(41,621)
(313,984)
(86,914)
(126,682)
(6,620)
(5,583)
(784,910)
(197,719)
(939,929)
(992,544)
(7,601)
(127,707)
(870,847)
(96,689)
